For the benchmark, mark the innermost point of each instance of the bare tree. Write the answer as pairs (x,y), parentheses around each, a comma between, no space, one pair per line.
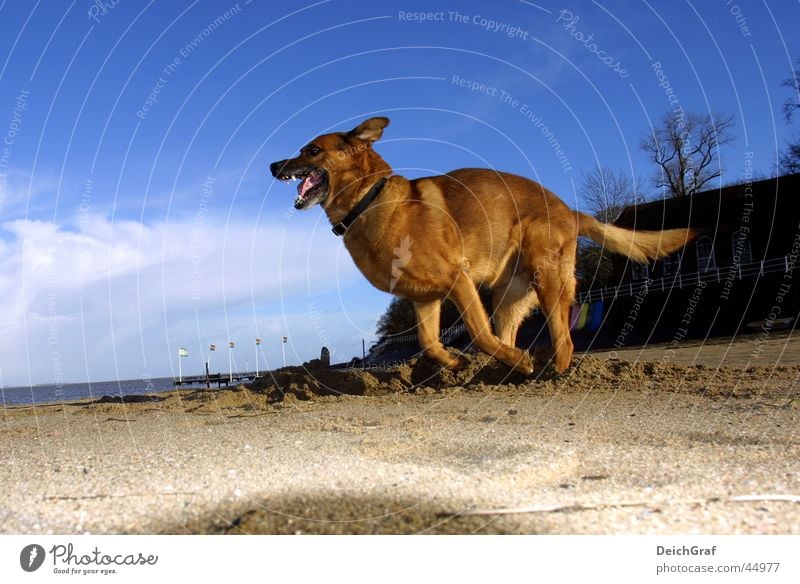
(789,161)
(685,148)
(607,192)
(792,104)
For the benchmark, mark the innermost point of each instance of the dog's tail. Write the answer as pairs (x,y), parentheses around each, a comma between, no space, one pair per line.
(640,246)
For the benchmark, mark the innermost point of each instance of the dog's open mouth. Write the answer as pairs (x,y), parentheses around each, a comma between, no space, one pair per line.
(313,187)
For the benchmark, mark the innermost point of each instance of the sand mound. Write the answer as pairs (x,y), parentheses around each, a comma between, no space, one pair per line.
(313,381)
(483,372)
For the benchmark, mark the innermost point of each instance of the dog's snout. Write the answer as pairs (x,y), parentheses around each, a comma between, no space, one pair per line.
(276,167)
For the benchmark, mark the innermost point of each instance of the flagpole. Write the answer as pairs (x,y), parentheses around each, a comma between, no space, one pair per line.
(283,349)
(211,349)
(230,363)
(258,342)
(180,373)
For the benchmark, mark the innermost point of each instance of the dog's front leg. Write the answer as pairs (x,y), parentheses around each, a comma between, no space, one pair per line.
(428,334)
(466,298)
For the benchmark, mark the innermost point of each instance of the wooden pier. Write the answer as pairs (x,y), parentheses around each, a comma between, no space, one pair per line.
(219,378)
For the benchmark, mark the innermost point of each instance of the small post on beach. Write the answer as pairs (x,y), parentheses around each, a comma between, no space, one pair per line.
(208,377)
(283,347)
(258,342)
(325,357)
(230,362)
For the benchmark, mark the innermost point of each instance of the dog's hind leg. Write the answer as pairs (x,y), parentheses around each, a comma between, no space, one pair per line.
(428,335)
(466,298)
(554,281)
(512,302)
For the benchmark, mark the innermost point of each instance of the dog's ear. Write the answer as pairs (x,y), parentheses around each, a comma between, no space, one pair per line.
(370,130)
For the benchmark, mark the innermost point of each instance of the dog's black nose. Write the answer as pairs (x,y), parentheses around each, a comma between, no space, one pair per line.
(276,167)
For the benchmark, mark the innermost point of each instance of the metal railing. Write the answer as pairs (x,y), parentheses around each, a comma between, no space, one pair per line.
(678,280)
(446,336)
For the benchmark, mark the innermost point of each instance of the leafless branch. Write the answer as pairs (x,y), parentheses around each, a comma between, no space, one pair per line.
(685,148)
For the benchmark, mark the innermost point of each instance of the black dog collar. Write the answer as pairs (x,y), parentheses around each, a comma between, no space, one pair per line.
(341,227)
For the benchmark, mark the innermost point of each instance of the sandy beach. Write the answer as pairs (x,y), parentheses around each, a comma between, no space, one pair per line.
(657,441)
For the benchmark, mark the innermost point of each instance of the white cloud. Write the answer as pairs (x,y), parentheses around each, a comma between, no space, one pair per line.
(115,297)
(22,193)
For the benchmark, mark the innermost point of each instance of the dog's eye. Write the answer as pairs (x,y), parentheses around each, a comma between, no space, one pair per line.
(313,150)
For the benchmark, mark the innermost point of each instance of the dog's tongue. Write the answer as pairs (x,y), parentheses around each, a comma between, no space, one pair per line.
(309,182)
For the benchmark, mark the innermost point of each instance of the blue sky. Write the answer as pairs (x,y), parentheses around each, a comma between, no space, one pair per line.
(136,211)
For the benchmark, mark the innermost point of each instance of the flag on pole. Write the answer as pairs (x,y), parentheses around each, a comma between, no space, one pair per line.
(231,345)
(284,339)
(258,342)
(182,352)
(212,348)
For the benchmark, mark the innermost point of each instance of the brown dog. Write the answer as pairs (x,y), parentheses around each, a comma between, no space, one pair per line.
(443,236)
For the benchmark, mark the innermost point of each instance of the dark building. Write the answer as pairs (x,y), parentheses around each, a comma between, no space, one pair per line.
(737,276)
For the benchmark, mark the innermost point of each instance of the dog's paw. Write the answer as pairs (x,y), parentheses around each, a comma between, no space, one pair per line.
(456,363)
(549,372)
(524,364)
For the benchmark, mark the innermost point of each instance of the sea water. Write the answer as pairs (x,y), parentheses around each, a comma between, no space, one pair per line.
(38,394)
